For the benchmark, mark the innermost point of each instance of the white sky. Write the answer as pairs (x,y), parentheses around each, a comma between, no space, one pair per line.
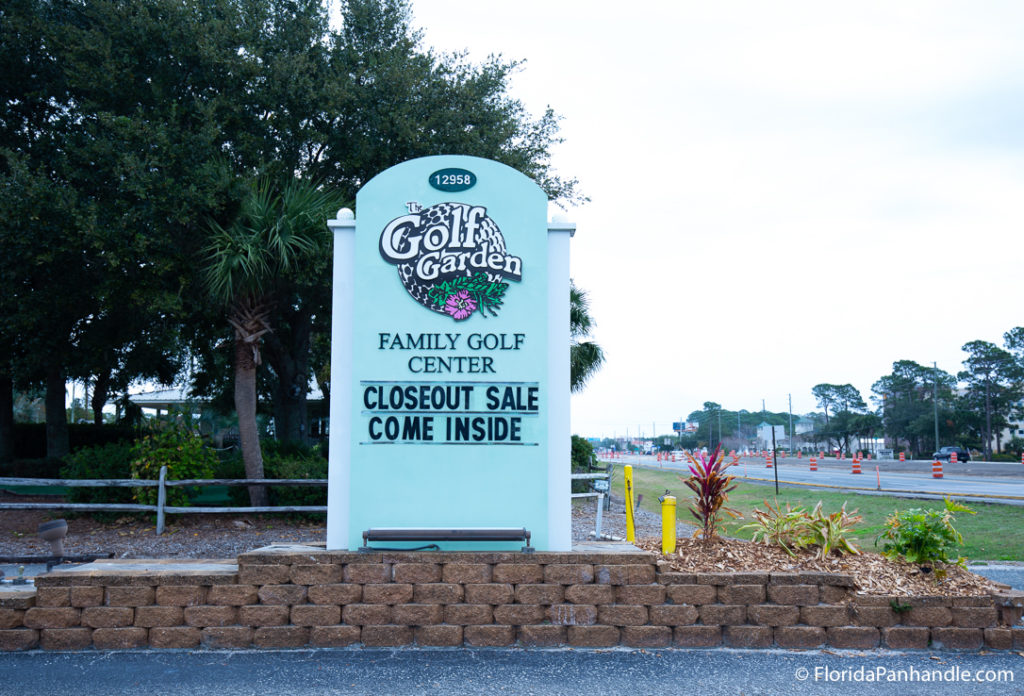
(782,193)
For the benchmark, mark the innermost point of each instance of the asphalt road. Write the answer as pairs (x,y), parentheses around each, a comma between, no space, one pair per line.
(380,672)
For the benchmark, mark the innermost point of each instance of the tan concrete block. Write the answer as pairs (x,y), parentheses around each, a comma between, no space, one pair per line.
(437,593)
(366,614)
(333,636)
(386,636)
(335,594)
(489,593)
(205,616)
(673,615)
(18,639)
(825,615)
(611,575)
(86,596)
(264,574)
(316,574)
(518,573)
(640,594)
(180,595)
(927,616)
(853,637)
(11,618)
(543,635)
(282,594)
(905,638)
(646,636)
(226,637)
(441,635)
(65,638)
(568,573)
(542,594)
(975,617)
(232,595)
(316,615)
(641,574)
(593,636)
(52,617)
(107,617)
(416,573)
(799,595)
(747,636)
(773,614)
(998,638)
(692,594)
(467,573)
(489,636)
(387,593)
(590,594)
(418,614)
(130,596)
(874,616)
(834,594)
(622,615)
(697,636)
(723,614)
(957,638)
(468,614)
(804,637)
(53,596)
(152,617)
(520,614)
(280,636)
(741,594)
(572,614)
(367,573)
(174,637)
(264,615)
(120,638)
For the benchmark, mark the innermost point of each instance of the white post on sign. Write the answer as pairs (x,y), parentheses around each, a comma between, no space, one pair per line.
(340,435)
(559,442)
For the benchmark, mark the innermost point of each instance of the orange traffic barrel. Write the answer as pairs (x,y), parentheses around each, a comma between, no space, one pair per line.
(814,464)
(936,469)
(903,457)
(768,461)
(952,457)
(856,466)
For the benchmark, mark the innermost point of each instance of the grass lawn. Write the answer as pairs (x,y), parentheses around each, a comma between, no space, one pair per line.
(995,533)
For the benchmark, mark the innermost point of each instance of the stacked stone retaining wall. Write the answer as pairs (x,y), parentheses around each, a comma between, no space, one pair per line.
(294,597)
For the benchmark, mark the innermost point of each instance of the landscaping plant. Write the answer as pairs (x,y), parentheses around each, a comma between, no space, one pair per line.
(793,529)
(924,536)
(181,451)
(711,487)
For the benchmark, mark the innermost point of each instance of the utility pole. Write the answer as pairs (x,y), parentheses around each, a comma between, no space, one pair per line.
(935,401)
(719,425)
(790,396)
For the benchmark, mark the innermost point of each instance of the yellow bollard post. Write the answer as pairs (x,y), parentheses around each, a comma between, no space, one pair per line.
(668,524)
(627,477)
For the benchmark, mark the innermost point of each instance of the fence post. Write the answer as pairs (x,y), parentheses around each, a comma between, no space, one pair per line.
(161,500)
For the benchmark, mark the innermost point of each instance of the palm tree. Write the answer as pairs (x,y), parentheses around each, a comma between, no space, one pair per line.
(585,357)
(247,265)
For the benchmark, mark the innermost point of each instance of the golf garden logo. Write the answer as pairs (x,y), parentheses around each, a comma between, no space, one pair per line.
(451,258)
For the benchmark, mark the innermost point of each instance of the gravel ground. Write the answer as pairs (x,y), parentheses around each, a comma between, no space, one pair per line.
(226,536)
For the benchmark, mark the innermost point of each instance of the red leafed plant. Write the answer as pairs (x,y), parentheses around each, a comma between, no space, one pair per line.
(711,488)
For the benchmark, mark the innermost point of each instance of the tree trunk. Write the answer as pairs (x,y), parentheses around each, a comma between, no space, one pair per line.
(289,359)
(245,406)
(6,419)
(100,393)
(57,443)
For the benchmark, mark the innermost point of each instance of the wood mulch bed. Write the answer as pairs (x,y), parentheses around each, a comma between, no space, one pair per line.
(873,573)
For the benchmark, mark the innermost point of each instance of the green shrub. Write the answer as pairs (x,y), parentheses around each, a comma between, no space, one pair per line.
(795,529)
(924,536)
(181,451)
(281,461)
(112,461)
(583,458)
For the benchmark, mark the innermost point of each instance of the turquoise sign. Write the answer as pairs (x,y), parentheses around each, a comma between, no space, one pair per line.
(449,351)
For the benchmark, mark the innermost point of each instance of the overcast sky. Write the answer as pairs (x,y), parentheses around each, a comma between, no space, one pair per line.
(782,193)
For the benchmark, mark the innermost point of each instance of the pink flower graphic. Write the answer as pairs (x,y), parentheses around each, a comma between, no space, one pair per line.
(459,305)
